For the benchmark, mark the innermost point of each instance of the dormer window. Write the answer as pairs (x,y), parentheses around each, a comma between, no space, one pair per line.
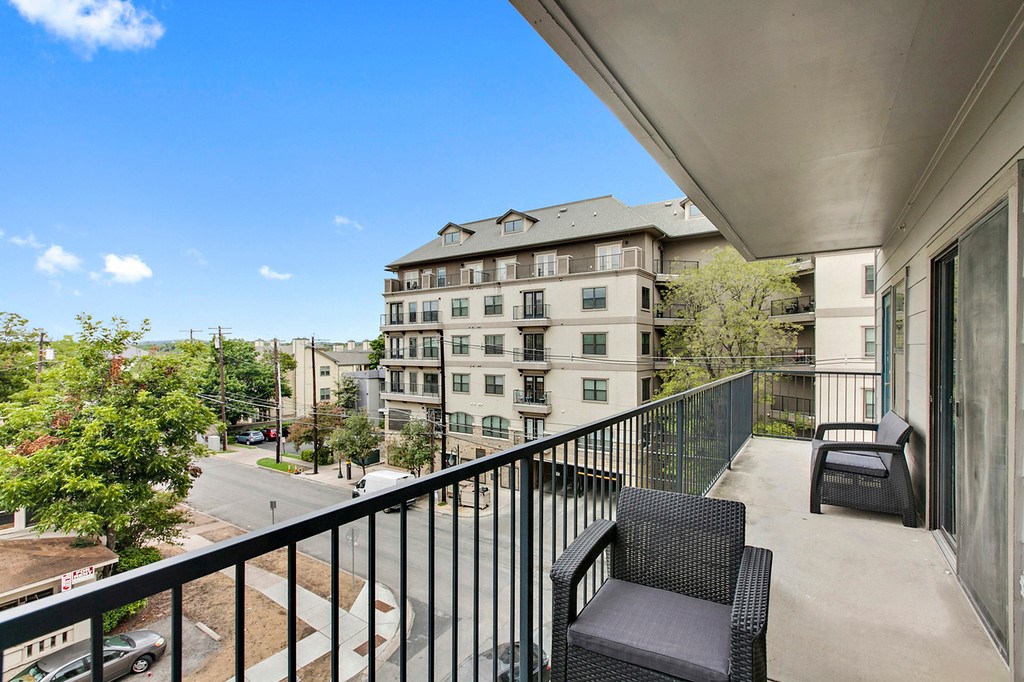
(694,212)
(515,222)
(451,237)
(513,226)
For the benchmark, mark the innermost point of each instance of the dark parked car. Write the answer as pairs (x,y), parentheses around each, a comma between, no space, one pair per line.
(252,437)
(484,665)
(132,652)
(270,433)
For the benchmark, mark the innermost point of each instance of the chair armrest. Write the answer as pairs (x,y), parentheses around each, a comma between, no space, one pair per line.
(566,574)
(580,555)
(749,622)
(830,445)
(819,432)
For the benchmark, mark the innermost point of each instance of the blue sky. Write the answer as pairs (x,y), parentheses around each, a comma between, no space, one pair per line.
(256,165)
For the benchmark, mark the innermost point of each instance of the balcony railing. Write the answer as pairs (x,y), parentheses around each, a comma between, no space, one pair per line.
(670,266)
(495,587)
(794,356)
(531,355)
(797,305)
(422,390)
(539,311)
(790,403)
(526,397)
(418,317)
(596,264)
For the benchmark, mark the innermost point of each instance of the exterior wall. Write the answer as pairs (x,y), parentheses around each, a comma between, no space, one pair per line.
(843,311)
(977,170)
(301,379)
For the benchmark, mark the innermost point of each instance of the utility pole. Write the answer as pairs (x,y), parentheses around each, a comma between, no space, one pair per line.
(223,398)
(191,333)
(316,433)
(42,355)
(277,383)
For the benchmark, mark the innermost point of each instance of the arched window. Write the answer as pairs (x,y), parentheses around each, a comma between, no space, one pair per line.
(460,422)
(495,427)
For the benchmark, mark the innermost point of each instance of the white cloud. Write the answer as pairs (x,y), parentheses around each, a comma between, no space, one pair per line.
(55,260)
(196,255)
(342,221)
(30,241)
(91,24)
(126,269)
(270,274)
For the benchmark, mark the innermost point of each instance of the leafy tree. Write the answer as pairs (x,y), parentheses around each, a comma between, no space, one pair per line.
(414,449)
(330,417)
(376,351)
(249,381)
(347,391)
(727,303)
(17,354)
(103,446)
(355,440)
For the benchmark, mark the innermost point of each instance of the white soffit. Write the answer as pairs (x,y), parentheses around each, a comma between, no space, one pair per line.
(796,126)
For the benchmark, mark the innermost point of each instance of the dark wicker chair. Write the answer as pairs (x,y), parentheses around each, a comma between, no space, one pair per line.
(686,600)
(864,475)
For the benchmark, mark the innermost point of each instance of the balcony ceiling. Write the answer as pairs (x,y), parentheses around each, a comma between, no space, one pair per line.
(796,127)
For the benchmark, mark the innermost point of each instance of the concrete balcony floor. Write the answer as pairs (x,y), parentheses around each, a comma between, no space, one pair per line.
(855,595)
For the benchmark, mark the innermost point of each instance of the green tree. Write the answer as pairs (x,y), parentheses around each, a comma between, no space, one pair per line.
(376,351)
(18,354)
(103,446)
(729,327)
(355,440)
(414,449)
(330,417)
(346,391)
(249,381)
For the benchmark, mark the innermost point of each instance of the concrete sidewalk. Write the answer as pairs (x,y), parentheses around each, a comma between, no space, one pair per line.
(316,612)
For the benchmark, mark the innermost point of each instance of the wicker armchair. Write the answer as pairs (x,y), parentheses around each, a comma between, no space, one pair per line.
(864,475)
(686,600)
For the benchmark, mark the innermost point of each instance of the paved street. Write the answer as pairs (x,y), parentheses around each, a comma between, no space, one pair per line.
(241,494)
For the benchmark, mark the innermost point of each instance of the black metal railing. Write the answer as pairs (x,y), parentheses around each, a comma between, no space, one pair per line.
(535,311)
(528,397)
(792,356)
(612,261)
(477,582)
(669,266)
(422,317)
(421,390)
(791,403)
(796,305)
(531,355)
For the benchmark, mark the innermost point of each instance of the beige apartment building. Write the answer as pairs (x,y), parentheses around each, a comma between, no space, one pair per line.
(550,318)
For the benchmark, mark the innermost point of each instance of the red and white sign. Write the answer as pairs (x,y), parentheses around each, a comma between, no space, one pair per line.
(75,577)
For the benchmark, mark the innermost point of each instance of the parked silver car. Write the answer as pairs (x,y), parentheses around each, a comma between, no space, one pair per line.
(132,652)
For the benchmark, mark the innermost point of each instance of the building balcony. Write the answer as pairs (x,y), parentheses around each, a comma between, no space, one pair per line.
(792,357)
(537,315)
(532,358)
(669,315)
(858,586)
(534,402)
(411,357)
(429,394)
(426,319)
(668,269)
(796,307)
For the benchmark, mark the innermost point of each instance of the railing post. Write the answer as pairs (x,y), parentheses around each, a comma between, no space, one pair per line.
(525,563)
(729,426)
(679,445)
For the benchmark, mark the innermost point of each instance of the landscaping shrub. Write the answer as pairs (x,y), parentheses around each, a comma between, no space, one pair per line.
(128,559)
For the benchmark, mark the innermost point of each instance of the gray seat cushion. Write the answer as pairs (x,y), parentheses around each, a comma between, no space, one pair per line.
(864,462)
(664,631)
(892,429)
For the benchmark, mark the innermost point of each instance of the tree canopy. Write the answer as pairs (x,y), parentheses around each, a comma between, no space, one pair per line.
(17,354)
(376,351)
(728,324)
(346,392)
(414,449)
(355,440)
(249,381)
(102,447)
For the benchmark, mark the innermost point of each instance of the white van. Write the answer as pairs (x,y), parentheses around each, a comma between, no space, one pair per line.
(381,480)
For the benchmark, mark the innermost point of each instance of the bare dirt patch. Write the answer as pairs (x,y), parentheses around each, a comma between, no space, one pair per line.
(211,601)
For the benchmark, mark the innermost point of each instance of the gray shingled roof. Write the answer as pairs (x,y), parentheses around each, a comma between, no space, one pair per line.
(586,219)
